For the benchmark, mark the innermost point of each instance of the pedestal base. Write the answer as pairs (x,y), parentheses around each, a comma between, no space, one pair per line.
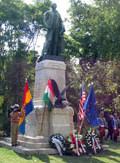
(45,123)
(61,121)
(57,121)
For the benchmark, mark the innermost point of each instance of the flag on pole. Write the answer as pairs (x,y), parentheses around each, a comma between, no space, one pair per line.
(90,109)
(27,107)
(82,101)
(49,95)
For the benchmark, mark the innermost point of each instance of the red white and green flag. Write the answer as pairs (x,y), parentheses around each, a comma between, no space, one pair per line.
(49,96)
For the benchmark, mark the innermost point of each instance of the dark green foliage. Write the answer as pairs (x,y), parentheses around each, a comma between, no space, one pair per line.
(95,29)
(94,41)
(103,75)
(20,25)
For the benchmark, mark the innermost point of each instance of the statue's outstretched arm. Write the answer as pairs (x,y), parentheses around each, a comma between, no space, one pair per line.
(45,20)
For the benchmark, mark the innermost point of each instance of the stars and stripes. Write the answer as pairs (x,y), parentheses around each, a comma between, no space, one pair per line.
(82,101)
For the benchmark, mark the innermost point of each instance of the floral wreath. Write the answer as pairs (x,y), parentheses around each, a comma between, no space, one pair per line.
(59,137)
(76,144)
(92,142)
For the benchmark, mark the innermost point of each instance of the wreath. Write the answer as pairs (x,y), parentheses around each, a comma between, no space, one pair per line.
(76,145)
(92,142)
(59,142)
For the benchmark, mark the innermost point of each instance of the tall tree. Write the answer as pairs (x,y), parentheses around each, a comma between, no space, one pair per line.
(20,24)
(104,76)
(96,28)
(94,40)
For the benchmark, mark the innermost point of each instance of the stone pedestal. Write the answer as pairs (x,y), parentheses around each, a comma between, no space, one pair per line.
(58,120)
(44,70)
(61,121)
(34,126)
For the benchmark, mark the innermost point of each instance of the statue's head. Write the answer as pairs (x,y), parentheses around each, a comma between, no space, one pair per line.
(54,6)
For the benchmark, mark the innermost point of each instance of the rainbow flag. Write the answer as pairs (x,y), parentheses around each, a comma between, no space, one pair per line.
(27,107)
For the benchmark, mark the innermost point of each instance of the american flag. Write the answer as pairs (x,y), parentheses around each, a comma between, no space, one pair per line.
(82,101)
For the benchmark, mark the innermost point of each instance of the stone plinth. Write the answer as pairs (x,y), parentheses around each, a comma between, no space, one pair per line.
(61,121)
(31,124)
(57,121)
(44,70)
(34,122)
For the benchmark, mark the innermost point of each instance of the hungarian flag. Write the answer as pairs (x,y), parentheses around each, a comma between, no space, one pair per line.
(49,95)
(27,107)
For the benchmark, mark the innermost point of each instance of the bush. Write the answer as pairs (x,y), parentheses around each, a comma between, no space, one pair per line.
(4,126)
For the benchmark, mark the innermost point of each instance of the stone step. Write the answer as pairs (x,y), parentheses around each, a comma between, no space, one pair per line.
(24,150)
(30,143)
(7,139)
(37,139)
(5,144)
(33,145)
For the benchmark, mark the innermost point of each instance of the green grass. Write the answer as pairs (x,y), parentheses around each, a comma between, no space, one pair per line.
(110,156)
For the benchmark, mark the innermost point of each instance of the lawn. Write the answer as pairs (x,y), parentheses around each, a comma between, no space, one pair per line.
(110,156)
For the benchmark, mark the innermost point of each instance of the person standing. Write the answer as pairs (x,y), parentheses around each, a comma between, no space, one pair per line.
(110,127)
(103,125)
(115,124)
(15,116)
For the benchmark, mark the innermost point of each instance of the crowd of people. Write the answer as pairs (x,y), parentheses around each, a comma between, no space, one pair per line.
(111,124)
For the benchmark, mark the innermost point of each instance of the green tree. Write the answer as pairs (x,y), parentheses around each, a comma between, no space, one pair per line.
(20,25)
(96,28)
(94,40)
(104,76)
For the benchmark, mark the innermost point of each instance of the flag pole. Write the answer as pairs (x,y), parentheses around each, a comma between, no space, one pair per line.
(83,120)
(79,131)
(43,117)
(80,127)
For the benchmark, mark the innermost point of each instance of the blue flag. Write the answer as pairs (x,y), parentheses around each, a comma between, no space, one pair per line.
(90,109)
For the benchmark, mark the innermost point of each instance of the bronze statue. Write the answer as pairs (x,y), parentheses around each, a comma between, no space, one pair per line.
(55,29)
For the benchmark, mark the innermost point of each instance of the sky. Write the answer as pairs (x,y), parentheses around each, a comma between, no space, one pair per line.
(62,7)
